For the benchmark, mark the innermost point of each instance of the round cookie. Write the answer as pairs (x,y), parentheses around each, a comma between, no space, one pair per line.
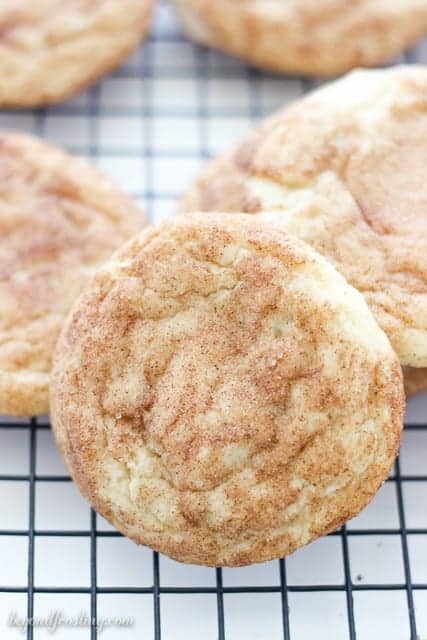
(415,381)
(52,49)
(59,221)
(345,169)
(221,394)
(306,36)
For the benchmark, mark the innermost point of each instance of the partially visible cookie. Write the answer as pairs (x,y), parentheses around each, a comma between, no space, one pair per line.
(59,221)
(306,36)
(51,49)
(415,380)
(221,394)
(345,169)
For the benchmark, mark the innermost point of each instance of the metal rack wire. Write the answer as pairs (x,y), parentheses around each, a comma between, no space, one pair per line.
(156,590)
(204,67)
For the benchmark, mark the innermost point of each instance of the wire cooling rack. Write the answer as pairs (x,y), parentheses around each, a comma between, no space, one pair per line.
(151,124)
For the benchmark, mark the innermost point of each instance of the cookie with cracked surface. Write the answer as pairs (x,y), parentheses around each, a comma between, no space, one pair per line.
(345,169)
(52,49)
(59,220)
(415,381)
(221,394)
(306,36)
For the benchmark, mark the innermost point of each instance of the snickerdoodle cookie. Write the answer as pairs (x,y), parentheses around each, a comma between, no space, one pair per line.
(59,220)
(345,169)
(51,49)
(306,36)
(221,394)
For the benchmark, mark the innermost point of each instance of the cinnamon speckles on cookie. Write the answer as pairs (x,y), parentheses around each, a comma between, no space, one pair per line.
(345,169)
(306,36)
(51,49)
(59,221)
(221,394)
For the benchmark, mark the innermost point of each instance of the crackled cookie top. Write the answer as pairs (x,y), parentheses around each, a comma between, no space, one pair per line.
(345,169)
(59,220)
(306,36)
(221,394)
(50,49)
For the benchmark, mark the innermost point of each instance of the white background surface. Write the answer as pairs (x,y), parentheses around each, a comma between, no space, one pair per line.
(151,125)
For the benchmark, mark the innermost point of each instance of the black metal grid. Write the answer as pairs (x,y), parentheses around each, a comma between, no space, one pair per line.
(202,112)
(156,590)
